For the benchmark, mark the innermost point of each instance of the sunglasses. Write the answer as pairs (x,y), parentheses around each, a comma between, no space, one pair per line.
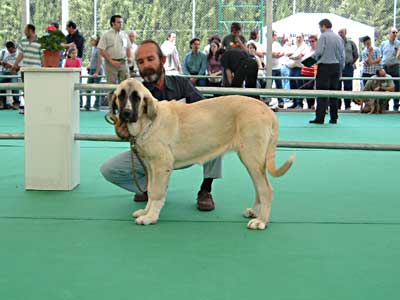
(394,32)
(312,41)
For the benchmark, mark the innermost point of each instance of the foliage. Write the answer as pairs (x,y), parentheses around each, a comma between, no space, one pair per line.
(155,18)
(52,40)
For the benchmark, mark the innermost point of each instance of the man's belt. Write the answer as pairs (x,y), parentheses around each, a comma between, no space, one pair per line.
(119,59)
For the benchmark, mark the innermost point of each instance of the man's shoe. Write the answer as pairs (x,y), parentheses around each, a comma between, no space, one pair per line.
(205,201)
(332,121)
(281,105)
(141,197)
(316,122)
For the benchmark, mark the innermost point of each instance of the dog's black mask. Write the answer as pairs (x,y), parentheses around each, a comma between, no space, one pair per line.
(129,114)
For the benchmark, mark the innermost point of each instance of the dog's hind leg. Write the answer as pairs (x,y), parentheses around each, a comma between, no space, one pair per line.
(159,174)
(260,211)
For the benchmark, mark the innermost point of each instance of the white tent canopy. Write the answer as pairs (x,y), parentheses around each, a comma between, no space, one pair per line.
(307,23)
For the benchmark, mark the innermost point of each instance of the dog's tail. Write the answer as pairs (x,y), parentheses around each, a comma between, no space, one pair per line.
(271,167)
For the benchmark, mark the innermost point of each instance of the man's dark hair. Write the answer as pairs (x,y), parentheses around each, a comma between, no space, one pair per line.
(159,51)
(31,27)
(235,26)
(253,34)
(326,23)
(114,18)
(10,45)
(215,37)
(71,24)
(193,40)
(365,38)
(55,24)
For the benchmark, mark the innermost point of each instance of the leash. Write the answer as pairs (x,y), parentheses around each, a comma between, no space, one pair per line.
(132,140)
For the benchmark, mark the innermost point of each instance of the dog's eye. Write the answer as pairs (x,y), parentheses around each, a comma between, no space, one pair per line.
(122,95)
(135,96)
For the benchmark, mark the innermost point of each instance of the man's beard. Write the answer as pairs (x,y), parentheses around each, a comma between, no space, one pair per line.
(150,75)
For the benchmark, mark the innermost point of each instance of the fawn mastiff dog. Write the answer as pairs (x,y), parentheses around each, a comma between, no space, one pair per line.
(172,134)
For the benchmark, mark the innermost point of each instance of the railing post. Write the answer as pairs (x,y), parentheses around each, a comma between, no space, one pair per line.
(52,158)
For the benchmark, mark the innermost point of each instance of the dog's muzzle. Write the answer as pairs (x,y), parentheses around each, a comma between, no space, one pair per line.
(128,115)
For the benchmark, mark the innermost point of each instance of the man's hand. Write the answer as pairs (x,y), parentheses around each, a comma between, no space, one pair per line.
(193,80)
(121,129)
(377,89)
(115,63)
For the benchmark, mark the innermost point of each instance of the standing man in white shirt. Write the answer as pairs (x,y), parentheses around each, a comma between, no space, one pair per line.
(172,65)
(133,66)
(277,53)
(115,47)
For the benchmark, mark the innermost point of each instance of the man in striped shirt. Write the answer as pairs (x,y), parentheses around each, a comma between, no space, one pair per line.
(29,52)
(29,49)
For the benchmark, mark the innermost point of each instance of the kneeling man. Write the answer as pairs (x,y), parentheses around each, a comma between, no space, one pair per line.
(383,84)
(118,169)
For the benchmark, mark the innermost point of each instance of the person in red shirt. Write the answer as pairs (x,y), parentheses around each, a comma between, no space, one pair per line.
(73,61)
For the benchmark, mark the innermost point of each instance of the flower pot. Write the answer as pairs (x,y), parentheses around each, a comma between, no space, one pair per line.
(51,59)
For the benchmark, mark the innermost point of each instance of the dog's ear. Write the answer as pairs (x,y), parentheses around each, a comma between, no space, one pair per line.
(112,102)
(149,107)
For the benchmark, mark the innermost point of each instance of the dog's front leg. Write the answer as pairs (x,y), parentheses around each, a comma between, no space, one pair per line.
(159,174)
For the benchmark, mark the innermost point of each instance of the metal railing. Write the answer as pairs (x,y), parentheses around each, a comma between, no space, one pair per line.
(230,91)
(281,144)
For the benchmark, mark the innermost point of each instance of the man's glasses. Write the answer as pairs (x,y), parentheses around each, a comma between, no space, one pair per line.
(394,32)
(312,41)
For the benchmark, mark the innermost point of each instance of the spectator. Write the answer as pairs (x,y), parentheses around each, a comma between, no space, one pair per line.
(214,37)
(330,59)
(172,65)
(310,71)
(351,56)
(390,60)
(73,61)
(386,85)
(234,39)
(294,64)
(238,67)
(132,65)
(74,39)
(277,54)
(118,169)
(195,63)
(287,48)
(371,59)
(214,67)
(95,69)
(115,47)
(255,39)
(8,57)
(252,48)
(56,25)
(30,53)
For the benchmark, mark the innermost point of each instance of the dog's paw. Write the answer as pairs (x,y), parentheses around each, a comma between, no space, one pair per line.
(146,220)
(249,213)
(256,224)
(138,213)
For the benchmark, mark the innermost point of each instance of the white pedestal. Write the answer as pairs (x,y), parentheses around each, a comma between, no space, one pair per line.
(52,159)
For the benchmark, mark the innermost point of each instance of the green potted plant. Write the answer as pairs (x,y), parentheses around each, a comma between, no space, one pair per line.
(51,43)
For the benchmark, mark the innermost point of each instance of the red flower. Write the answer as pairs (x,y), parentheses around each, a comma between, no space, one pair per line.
(50,28)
